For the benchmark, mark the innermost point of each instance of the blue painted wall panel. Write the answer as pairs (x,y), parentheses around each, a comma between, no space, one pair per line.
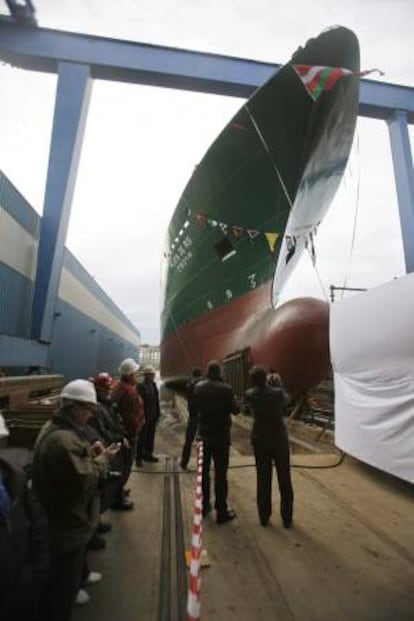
(82,347)
(18,207)
(16,295)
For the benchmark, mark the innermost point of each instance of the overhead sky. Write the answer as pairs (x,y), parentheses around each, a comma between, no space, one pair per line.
(142,143)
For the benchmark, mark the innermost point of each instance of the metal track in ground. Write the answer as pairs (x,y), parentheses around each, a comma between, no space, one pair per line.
(173,577)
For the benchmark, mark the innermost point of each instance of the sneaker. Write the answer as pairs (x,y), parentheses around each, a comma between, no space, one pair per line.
(96,542)
(93,578)
(82,598)
(104,527)
(226,517)
(125,505)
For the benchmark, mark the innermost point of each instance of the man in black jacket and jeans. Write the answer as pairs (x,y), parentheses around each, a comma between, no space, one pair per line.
(271,445)
(215,402)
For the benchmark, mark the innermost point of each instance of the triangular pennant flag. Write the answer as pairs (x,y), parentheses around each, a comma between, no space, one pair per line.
(271,240)
(237,231)
(223,227)
(252,234)
(201,219)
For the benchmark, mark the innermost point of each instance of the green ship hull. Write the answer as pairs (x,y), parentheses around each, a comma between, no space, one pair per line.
(248,211)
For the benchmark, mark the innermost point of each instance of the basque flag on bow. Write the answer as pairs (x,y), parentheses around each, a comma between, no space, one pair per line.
(317,79)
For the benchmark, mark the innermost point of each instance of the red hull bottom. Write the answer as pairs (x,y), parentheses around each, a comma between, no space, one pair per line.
(293,338)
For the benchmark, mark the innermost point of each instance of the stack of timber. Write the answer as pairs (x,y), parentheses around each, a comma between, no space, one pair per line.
(27,402)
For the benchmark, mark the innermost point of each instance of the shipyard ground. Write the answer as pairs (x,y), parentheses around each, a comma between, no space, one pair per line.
(348,557)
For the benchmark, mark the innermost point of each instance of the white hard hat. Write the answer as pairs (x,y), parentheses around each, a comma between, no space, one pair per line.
(128,366)
(79,390)
(4,432)
(148,369)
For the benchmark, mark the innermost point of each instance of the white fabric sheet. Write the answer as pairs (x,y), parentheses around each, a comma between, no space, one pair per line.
(372,352)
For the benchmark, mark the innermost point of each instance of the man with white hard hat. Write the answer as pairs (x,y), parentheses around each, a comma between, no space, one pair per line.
(67,475)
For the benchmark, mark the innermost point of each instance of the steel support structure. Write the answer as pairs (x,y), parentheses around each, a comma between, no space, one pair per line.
(404,179)
(77,58)
(71,106)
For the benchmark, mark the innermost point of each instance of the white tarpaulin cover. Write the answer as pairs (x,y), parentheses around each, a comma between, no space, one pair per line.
(372,351)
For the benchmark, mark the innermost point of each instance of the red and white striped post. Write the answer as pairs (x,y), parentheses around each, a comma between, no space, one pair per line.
(193,601)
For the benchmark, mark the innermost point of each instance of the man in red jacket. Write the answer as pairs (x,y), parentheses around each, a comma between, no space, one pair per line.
(131,410)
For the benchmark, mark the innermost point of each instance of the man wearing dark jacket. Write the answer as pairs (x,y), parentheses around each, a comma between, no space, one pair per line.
(271,445)
(148,392)
(215,402)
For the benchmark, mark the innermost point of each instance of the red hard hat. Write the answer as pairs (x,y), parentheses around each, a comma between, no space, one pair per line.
(103,380)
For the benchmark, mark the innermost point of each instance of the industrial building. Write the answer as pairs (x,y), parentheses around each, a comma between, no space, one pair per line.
(89,333)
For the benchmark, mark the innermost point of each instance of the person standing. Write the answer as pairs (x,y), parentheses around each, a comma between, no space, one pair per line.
(131,411)
(148,392)
(271,445)
(67,476)
(215,402)
(192,421)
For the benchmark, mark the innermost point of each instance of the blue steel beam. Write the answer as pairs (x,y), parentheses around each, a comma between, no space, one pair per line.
(404,180)
(41,49)
(71,106)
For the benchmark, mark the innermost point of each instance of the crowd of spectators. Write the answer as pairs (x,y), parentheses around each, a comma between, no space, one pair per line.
(51,499)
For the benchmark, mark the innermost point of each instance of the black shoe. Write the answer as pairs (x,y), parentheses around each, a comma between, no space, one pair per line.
(151,458)
(104,527)
(139,463)
(264,521)
(125,505)
(183,466)
(96,542)
(287,522)
(206,510)
(226,517)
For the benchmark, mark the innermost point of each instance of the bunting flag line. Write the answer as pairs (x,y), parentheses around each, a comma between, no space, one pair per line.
(238,231)
(317,79)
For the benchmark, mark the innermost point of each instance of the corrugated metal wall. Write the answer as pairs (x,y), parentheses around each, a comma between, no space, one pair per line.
(16,294)
(83,343)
